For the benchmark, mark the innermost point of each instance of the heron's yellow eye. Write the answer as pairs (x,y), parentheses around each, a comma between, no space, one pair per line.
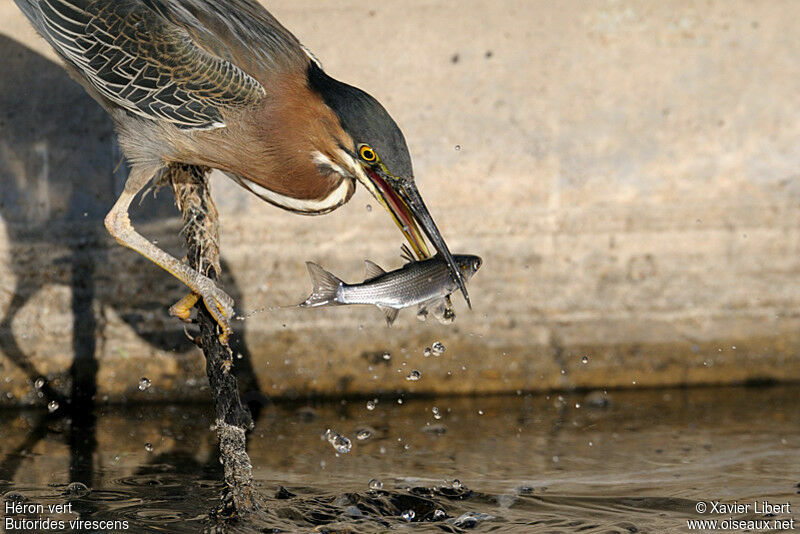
(367,154)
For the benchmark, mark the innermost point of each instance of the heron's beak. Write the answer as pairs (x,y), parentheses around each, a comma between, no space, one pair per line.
(405,204)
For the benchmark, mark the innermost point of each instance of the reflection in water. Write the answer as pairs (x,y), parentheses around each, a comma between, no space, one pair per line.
(639,462)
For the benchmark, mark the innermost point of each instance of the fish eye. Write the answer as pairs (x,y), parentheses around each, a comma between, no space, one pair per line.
(367,154)
(477,263)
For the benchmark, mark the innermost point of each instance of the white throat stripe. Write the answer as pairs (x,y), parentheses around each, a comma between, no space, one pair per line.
(335,198)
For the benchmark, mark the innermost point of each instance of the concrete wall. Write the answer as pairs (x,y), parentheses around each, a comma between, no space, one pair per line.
(628,171)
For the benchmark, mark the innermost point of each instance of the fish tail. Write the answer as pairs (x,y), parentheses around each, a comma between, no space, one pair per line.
(326,287)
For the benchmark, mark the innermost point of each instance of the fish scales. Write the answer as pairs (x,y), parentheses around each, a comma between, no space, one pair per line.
(418,283)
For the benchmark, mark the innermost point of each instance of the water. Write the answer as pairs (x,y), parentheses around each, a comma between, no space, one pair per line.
(414,375)
(340,443)
(622,462)
(144,383)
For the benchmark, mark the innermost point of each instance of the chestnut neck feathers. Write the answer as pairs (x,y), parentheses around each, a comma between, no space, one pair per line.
(305,124)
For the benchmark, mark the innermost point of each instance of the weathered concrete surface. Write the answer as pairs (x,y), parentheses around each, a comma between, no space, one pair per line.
(627,170)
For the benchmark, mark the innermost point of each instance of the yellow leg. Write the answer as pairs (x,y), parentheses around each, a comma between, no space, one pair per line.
(118,223)
(183,308)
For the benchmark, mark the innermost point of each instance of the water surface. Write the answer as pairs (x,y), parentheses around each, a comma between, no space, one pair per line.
(623,462)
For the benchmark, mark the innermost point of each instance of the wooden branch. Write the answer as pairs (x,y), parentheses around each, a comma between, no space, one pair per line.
(201,232)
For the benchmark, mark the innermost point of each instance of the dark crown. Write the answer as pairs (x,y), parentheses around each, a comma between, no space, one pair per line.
(364,119)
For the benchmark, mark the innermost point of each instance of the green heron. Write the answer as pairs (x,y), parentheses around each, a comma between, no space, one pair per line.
(222,84)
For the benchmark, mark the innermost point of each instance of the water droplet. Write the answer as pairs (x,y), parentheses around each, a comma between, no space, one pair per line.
(371,404)
(555,459)
(414,375)
(39,384)
(439,514)
(577,404)
(369,207)
(585,359)
(456,484)
(408,515)
(470,520)
(480,412)
(399,401)
(427,352)
(14,496)
(364,434)
(77,489)
(436,414)
(52,406)
(458,147)
(148,447)
(144,383)
(339,442)
(438,348)
(375,484)
(387,356)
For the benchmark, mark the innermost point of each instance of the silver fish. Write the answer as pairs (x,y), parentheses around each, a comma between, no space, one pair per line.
(427,284)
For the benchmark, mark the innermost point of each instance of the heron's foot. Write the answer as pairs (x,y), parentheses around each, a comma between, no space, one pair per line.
(183,308)
(218,303)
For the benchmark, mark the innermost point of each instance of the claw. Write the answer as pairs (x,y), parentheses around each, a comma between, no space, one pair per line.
(194,339)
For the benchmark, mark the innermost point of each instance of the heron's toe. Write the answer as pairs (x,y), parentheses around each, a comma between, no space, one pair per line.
(220,305)
(183,308)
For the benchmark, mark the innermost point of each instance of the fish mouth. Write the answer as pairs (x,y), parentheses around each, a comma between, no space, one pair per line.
(403,201)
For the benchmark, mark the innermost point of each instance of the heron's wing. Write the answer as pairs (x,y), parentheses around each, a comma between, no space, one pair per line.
(142,62)
(241,31)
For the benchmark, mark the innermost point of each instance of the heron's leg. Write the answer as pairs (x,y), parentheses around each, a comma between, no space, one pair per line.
(118,223)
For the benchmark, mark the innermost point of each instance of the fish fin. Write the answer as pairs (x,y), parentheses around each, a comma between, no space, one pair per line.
(373,269)
(326,287)
(391,314)
(406,254)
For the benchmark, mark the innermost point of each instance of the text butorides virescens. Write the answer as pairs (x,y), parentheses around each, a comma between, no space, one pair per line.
(221,84)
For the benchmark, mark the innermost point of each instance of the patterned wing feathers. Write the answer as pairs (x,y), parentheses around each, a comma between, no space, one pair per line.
(145,64)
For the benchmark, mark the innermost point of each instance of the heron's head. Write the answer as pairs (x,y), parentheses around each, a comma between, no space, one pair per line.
(378,158)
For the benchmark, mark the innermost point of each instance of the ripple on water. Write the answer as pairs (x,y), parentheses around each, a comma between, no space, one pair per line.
(608,451)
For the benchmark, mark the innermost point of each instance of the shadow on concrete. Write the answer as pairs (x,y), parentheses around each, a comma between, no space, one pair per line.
(60,172)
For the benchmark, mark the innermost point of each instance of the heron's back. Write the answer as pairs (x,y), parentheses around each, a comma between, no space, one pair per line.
(181,61)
